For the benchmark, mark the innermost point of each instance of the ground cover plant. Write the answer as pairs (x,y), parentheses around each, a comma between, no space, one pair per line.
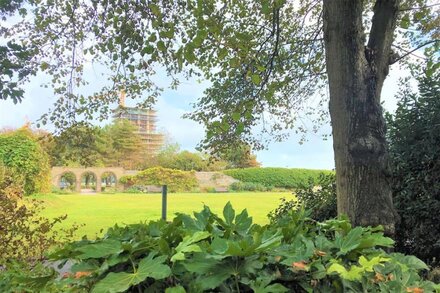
(101,211)
(275,177)
(229,253)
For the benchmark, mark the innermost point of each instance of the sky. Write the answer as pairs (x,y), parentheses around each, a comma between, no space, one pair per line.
(315,153)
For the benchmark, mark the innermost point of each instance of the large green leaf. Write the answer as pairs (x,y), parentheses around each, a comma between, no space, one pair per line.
(201,264)
(187,245)
(243,222)
(120,282)
(350,241)
(177,289)
(262,285)
(100,249)
(229,213)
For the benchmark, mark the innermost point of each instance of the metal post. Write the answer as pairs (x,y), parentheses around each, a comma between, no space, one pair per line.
(164,202)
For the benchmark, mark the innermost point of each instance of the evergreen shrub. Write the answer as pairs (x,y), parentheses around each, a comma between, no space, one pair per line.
(275,177)
(414,137)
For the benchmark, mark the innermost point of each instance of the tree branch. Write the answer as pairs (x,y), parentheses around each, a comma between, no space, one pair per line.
(417,8)
(411,51)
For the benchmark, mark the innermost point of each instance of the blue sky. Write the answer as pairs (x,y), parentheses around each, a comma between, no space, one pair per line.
(315,153)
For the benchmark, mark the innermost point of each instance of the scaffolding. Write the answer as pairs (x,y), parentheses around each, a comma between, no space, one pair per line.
(145,122)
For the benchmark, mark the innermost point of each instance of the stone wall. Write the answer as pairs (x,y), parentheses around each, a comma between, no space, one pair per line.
(57,172)
(214,179)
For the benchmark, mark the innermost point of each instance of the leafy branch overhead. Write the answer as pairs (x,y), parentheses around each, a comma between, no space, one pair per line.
(264,59)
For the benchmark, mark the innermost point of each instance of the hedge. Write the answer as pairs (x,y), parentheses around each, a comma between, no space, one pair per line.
(176,180)
(276,177)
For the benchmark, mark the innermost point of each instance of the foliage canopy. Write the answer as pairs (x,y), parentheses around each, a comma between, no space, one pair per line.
(22,154)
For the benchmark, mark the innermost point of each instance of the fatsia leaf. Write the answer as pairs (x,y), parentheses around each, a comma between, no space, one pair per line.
(100,249)
(350,241)
(243,222)
(177,289)
(200,264)
(187,245)
(120,282)
(229,213)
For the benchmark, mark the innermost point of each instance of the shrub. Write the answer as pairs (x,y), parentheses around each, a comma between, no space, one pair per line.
(24,156)
(210,253)
(318,196)
(249,186)
(176,180)
(24,235)
(276,177)
(414,136)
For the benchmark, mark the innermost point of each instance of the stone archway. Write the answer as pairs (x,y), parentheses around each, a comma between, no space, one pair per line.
(89,182)
(67,180)
(109,181)
(57,173)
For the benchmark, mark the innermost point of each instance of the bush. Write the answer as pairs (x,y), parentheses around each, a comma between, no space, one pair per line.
(249,186)
(24,235)
(414,135)
(209,253)
(318,196)
(176,180)
(134,189)
(23,156)
(275,177)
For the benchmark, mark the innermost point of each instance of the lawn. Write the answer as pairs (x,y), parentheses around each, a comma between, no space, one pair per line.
(100,211)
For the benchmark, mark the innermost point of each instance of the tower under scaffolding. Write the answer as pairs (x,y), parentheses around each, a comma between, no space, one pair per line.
(145,122)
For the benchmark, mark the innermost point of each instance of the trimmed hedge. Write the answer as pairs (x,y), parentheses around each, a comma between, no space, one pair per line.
(276,177)
(176,180)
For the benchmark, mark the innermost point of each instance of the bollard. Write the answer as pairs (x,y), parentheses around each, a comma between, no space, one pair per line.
(164,202)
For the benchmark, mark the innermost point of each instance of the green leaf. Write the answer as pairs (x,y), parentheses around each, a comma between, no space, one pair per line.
(36,283)
(405,22)
(236,116)
(223,52)
(100,249)
(121,282)
(229,213)
(200,37)
(188,53)
(83,267)
(219,245)
(256,79)
(355,273)
(161,46)
(243,222)
(240,128)
(200,264)
(187,245)
(178,289)
(155,9)
(349,242)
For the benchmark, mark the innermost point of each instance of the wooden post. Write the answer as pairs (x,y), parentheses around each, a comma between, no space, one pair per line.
(164,202)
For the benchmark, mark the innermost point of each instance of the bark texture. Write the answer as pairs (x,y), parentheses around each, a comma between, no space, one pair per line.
(356,72)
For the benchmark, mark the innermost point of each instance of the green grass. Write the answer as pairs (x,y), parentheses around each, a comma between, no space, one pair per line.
(104,210)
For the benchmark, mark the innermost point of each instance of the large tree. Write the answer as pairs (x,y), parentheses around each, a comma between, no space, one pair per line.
(269,63)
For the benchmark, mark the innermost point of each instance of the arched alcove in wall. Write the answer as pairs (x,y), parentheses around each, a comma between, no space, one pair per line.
(67,181)
(88,182)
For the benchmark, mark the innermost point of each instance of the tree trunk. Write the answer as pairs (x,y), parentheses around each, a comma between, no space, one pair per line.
(356,73)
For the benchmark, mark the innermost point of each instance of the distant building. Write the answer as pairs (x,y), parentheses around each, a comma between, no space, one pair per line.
(145,122)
